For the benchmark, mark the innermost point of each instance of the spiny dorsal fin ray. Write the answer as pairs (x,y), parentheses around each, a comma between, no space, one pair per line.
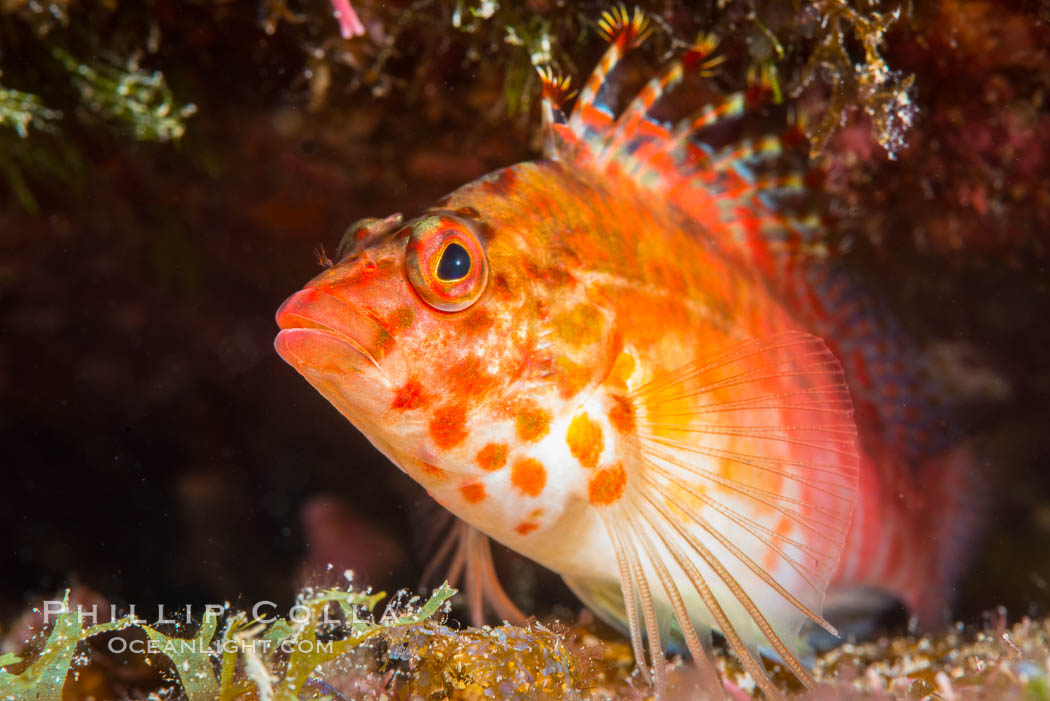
(617,26)
(592,116)
(675,160)
(700,58)
(557,90)
(630,121)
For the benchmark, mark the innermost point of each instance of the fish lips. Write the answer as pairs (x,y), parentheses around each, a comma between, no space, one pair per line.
(322,334)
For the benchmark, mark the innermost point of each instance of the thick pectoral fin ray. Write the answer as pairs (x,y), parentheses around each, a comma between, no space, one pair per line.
(737,511)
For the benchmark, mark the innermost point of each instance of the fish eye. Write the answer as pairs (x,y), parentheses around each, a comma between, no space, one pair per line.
(454,263)
(445,262)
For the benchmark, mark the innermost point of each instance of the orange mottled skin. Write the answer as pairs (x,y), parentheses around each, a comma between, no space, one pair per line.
(591,289)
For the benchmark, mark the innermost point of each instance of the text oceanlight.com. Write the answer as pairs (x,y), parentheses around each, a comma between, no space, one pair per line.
(172,646)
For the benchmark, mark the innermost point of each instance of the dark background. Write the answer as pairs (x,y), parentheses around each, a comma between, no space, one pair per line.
(154,448)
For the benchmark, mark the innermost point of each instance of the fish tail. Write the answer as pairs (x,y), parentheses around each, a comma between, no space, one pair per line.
(912,535)
(921,506)
(953,526)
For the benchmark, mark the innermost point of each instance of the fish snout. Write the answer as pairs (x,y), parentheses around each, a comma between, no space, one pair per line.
(324,333)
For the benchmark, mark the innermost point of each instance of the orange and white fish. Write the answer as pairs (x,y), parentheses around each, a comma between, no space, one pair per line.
(633,362)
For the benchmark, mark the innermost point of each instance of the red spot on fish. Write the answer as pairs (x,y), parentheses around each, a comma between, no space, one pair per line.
(500,287)
(485,229)
(560,276)
(524,528)
(531,270)
(367,268)
(529,476)
(622,414)
(477,322)
(585,440)
(555,275)
(492,457)
(400,319)
(448,427)
(411,395)
(473,492)
(532,423)
(468,379)
(570,376)
(606,486)
(580,326)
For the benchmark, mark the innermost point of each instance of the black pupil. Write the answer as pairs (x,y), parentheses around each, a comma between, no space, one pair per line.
(454,263)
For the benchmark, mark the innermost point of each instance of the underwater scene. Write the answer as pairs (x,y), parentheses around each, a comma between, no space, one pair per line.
(547,349)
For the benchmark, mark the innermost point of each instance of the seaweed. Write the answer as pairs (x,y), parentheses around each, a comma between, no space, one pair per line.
(136,100)
(275,659)
(21,110)
(45,677)
(133,101)
(882,93)
(332,645)
(24,115)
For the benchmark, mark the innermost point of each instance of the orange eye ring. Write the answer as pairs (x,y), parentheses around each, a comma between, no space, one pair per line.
(445,262)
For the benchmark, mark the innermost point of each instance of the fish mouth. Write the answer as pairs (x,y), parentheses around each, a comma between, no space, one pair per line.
(322,333)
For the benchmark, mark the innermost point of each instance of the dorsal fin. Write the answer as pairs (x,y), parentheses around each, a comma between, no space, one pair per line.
(751,196)
(736,191)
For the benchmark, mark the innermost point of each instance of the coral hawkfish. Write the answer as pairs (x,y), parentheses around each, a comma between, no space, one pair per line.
(634,362)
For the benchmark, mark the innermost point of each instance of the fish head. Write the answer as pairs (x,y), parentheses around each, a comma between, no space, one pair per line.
(446,334)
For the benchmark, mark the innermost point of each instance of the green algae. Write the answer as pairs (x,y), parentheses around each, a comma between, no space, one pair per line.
(28,130)
(45,676)
(137,101)
(21,110)
(36,137)
(274,659)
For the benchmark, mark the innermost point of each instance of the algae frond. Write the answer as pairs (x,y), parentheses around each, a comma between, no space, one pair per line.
(884,94)
(138,100)
(271,659)
(21,110)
